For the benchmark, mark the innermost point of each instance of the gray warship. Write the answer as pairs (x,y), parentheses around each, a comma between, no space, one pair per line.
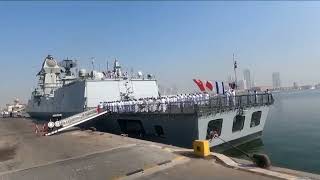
(218,118)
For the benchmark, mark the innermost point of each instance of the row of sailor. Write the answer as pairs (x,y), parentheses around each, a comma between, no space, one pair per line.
(159,104)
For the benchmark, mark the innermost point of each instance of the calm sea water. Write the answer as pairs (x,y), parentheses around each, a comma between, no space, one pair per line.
(291,137)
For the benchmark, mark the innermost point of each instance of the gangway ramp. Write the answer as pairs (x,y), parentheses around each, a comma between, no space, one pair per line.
(77,119)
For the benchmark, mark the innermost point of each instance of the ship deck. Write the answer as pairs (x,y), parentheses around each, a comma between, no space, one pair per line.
(93,155)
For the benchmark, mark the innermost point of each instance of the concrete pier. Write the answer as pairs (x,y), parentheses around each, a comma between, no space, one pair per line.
(93,155)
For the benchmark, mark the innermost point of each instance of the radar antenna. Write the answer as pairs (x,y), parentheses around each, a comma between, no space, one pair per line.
(68,64)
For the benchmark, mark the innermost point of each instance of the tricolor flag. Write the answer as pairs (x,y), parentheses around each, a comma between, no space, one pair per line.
(219,87)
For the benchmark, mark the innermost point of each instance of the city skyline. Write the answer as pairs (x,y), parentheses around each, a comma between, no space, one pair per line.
(175,41)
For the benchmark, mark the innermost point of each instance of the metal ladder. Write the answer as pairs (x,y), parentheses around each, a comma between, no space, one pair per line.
(76,120)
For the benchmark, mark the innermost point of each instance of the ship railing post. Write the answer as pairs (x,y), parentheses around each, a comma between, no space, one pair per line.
(244,101)
(214,105)
(220,103)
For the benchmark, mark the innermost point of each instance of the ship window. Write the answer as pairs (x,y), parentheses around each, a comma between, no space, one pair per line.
(255,118)
(131,127)
(214,125)
(238,123)
(159,130)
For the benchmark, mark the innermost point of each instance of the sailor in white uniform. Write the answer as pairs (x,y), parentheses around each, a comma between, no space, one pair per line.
(233,95)
(163,104)
(207,98)
(229,100)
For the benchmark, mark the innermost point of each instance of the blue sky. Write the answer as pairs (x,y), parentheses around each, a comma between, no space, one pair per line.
(176,41)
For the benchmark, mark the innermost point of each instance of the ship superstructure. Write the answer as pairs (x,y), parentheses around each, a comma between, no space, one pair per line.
(60,90)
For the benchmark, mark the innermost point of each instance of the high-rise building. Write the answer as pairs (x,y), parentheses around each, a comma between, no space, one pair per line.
(240,85)
(247,79)
(276,83)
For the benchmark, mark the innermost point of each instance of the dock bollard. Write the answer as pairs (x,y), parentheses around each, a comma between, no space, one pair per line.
(201,148)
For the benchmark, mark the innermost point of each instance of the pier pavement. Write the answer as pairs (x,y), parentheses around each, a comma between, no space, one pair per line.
(94,155)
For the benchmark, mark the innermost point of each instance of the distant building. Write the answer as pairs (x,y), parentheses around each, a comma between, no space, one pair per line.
(253,84)
(230,79)
(295,85)
(305,87)
(276,83)
(265,88)
(317,86)
(240,85)
(247,79)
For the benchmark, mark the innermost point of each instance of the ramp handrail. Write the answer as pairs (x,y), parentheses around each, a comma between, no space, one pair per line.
(86,116)
(78,117)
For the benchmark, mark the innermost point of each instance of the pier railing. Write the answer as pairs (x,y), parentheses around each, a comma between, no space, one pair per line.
(215,104)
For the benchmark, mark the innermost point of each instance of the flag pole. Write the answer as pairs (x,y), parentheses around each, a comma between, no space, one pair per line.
(92,62)
(235,71)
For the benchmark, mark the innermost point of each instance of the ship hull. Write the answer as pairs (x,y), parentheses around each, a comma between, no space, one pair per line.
(181,129)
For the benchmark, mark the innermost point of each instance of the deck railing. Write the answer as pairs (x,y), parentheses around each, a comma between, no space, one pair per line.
(214,104)
(227,103)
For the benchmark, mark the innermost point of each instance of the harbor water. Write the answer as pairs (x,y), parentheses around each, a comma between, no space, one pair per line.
(292,132)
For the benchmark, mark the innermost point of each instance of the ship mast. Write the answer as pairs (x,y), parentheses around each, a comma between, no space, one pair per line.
(92,62)
(235,71)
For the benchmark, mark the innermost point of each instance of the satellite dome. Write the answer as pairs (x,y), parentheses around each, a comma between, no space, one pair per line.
(51,62)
